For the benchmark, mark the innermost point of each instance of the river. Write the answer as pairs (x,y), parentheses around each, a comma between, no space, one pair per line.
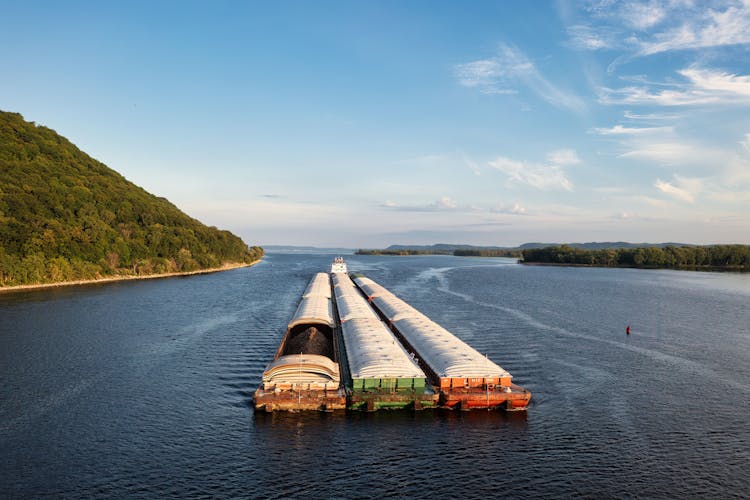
(144,388)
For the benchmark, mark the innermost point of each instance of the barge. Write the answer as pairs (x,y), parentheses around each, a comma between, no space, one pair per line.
(464,378)
(305,372)
(382,374)
(352,344)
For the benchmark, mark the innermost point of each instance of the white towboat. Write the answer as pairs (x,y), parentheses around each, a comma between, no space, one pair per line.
(338,266)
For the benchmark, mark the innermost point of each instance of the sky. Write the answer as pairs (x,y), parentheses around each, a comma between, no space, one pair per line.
(365,124)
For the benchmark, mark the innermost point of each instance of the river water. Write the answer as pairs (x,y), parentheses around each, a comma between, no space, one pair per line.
(144,388)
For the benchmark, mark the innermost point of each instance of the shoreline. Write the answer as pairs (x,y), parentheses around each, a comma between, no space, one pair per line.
(113,279)
(715,269)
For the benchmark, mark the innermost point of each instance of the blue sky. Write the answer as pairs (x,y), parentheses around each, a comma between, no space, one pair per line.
(363,124)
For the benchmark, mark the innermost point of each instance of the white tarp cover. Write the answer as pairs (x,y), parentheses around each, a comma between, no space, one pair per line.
(394,308)
(374,352)
(315,306)
(317,372)
(313,309)
(319,285)
(342,283)
(446,354)
(349,300)
(371,348)
(354,307)
(370,288)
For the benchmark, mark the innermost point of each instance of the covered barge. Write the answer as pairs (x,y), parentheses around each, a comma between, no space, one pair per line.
(305,374)
(464,378)
(382,373)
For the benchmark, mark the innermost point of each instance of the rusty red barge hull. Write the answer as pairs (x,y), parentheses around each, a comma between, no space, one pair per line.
(515,399)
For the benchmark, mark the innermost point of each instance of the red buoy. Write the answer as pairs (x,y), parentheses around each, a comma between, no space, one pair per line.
(627,329)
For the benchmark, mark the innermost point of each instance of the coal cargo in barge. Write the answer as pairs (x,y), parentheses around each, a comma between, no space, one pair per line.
(465,378)
(304,374)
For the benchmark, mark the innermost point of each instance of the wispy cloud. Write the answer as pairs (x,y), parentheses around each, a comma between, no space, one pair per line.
(509,69)
(447,205)
(590,38)
(703,28)
(725,172)
(642,16)
(719,82)
(746,142)
(736,172)
(650,116)
(701,86)
(473,166)
(490,76)
(513,209)
(652,27)
(651,201)
(563,157)
(545,177)
(626,215)
(681,188)
(667,153)
(620,130)
(443,204)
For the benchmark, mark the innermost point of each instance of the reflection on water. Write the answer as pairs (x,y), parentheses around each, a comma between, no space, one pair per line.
(144,388)
(380,421)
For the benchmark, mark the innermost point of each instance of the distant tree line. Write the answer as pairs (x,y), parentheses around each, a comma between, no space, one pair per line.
(405,251)
(65,216)
(487,253)
(459,252)
(736,257)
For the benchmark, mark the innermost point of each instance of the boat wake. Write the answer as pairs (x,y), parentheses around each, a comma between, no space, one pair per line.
(440,274)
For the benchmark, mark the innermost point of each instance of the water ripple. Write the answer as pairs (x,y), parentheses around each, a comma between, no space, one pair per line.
(144,389)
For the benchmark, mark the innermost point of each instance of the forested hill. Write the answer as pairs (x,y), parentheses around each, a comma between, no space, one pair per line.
(65,216)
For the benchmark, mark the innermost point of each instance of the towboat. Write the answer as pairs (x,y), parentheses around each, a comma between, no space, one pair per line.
(338,266)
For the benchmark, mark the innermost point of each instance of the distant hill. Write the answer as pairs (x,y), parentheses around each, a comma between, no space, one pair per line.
(305,249)
(445,248)
(65,216)
(448,249)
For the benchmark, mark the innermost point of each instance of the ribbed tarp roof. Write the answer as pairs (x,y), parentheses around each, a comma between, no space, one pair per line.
(353,307)
(446,354)
(303,369)
(313,310)
(374,352)
(349,300)
(394,308)
(371,348)
(319,285)
(315,306)
(370,288)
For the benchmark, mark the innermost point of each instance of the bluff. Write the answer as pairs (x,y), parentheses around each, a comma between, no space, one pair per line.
(66,216)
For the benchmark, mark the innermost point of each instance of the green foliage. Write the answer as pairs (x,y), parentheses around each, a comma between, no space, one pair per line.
(487,252)
(404,251)
(65,216)
(682,257)
(461,252)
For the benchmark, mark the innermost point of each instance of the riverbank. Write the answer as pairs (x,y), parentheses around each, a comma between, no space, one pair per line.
(733,269)
(111,279)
